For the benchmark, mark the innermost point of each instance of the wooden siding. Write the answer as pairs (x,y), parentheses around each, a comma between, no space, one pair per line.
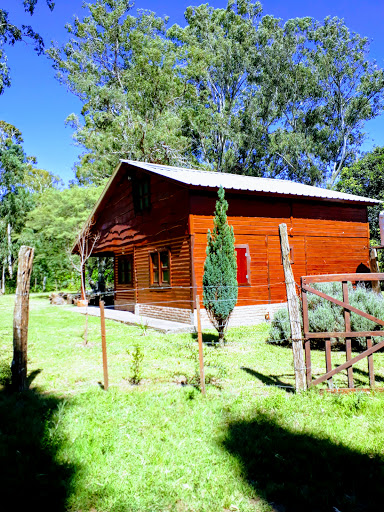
(325,237)
(253,205)
(165,225)
(329,245)
(179,294)
(119,225)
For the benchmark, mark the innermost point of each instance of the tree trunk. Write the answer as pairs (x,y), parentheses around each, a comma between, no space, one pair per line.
(221,332)
(20,319)
(9,231)
(82,277)
(44,282)
(3,279)
(374,269)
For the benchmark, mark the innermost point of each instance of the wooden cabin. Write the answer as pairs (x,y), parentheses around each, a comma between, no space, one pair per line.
(154,219)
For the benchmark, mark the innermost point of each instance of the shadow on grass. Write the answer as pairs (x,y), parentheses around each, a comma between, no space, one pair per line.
(270,380)
(363,373)
(300,472)
(209,338)
(31,477)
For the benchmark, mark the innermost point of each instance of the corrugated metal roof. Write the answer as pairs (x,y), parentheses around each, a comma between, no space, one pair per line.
(228,181)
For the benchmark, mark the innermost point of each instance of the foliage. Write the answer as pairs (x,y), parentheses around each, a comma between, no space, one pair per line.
(366,178)
(20,184)
(220,269)
(10,34)
(326,316)
(136,364)
(232,90)
(318,87)
(15,201)
(122,68)
(52,227)
(218,55)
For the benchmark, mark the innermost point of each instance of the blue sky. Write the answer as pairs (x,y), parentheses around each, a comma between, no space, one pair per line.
(38,105)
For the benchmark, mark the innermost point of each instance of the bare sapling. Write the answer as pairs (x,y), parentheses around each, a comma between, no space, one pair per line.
(84,245)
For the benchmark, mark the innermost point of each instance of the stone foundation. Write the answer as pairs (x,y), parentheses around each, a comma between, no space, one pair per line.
(245,315)
(241,315)
(184,316)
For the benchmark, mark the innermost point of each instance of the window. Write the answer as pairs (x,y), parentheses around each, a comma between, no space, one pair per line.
(160,270)
(243,264)
(142,194)
(125,269)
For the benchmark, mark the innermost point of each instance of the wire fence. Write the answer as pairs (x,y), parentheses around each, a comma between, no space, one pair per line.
(279,372)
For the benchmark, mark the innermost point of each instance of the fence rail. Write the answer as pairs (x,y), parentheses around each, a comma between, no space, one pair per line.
(306,281)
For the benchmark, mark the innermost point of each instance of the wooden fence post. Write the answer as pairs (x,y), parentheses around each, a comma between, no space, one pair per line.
(20,319)
(374,269)
(294,312)
(104,345)
(200,340)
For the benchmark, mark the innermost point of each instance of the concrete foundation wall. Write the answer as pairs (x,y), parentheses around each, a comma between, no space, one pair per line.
(241,315)
(165,313)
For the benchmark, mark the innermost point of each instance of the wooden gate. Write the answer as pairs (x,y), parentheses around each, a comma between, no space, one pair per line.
(306,287)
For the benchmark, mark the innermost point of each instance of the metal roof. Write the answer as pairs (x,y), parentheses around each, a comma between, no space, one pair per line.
(228,181)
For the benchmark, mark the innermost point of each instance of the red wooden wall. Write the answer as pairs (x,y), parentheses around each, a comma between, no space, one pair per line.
(326,238)
(164,226)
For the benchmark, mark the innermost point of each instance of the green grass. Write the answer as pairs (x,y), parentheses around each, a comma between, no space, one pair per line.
(249,445)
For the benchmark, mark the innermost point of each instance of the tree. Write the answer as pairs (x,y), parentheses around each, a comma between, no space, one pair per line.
(15,200)
(85,243)
(322,88)
(20,183)
(366,178)
(51,228)
(220,269)
(219,55)
(11,34)
(123,69)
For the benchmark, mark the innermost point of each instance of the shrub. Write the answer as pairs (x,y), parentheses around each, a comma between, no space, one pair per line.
(220,269)
(326,316)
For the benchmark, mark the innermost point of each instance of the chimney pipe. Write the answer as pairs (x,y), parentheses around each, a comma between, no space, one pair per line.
(381,225)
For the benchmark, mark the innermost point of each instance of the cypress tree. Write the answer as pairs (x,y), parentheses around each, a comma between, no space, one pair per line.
(220,269)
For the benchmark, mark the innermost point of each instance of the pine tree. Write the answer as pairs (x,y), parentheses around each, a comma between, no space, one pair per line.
(220,269)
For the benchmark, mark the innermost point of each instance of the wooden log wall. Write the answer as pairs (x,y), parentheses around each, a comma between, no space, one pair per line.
(325,238)
(164,226)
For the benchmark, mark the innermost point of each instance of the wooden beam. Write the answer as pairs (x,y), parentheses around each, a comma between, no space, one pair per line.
(328,361)
(294,312)
(371,371)
(307,343)
(349,363)
(337,334)
(104,346)
(343,305)
(20,319)
(334,278)
(374,269)
(200,341)
(348,342)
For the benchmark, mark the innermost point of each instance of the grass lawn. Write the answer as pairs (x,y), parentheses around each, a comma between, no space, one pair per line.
(249,445)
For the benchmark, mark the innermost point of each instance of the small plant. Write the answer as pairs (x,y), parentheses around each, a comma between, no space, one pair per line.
(143,326)
(136,368)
